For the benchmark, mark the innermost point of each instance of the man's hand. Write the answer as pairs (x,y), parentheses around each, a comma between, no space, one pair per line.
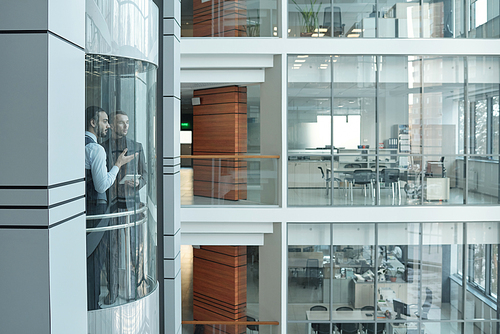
(124,159)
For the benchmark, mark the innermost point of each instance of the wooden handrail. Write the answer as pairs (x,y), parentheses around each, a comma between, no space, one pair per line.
(230,156)
(195,322)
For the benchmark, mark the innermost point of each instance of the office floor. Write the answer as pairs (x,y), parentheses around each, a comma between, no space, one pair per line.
(318,197)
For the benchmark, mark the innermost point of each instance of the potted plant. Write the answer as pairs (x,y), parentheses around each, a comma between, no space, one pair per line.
(309,16)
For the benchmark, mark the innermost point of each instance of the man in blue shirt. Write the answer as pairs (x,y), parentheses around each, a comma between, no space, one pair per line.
(97,181)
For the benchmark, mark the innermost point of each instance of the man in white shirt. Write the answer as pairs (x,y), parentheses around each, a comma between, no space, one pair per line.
(97,181)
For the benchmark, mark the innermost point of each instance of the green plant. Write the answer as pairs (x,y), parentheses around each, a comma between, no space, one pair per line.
(309,15)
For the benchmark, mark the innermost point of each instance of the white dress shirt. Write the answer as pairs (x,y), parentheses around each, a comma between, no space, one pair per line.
(95,160)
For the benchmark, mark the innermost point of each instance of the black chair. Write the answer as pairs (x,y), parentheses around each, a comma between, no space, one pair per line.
(318,308)
(320,328)
(328,179)
(338,26)
(426,306)
(364,177)
(346,328)
(390,176)
(313,273)
(199,329)
(369,328)
(253,328)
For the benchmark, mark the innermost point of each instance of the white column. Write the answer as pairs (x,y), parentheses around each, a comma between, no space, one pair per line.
(42,204)
(171,166)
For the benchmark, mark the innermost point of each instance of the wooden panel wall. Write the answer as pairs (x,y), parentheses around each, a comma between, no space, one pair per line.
(220,285)
(219,18)
(220,127)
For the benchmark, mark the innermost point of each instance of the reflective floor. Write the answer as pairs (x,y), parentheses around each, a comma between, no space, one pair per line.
(318,196)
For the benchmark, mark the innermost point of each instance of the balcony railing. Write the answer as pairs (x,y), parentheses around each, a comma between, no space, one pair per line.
(228,327)
(122,242)
(230,180)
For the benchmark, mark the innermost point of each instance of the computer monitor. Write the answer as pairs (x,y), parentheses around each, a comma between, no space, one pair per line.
(400,308)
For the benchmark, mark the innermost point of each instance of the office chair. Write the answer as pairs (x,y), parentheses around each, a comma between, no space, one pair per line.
(199,329)
(320,328)
(338,27)
(346,328)
(426,306)
(364,177)
(318,308)
(328,179)
(253,328)
(369,328)
(313,273)
(390,176)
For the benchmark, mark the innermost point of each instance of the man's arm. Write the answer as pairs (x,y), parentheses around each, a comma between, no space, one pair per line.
(102,178)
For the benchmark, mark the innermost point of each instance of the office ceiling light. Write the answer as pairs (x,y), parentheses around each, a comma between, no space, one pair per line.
(302,56)
(357,30)
(353,35)
(300,60)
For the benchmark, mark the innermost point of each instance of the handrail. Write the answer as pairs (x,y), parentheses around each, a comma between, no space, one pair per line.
(116,227)
(202,156)
(201,322)
(117,214)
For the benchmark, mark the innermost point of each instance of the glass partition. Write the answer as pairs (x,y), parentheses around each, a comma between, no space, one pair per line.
(393,130)
(120,162)
(395,277)
(215,18)
(394,18)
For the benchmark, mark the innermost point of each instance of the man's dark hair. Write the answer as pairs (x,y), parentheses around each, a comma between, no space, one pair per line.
(92,113)
(114,114)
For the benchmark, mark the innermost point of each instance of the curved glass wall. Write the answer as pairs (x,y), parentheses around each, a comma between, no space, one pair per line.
(393,130)
(394,18)
(120,162)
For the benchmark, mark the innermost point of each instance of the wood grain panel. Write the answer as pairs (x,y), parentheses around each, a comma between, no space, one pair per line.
(220,126)
(220,190)
(219,18)
(219,285)
(227,175)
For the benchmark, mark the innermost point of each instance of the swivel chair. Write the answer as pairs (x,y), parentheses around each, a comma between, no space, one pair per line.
(390,176)
(313,273)
(338,26)
(369,328)
(253,328)
(320,328)
(346,328)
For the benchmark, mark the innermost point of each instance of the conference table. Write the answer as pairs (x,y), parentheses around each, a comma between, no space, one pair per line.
(359,316)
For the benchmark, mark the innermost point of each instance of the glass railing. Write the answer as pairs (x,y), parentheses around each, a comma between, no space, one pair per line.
(230,180)
(120,244)
(216,18)
(216,327)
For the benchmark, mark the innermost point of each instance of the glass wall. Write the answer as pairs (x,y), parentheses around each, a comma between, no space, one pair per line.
(120,165)
(216,18)
(394,277)
(394,18)
(392,130)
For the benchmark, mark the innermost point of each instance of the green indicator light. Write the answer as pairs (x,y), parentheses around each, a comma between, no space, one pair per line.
(184,125)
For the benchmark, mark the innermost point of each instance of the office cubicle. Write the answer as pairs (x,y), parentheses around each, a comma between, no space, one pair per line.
(413,117)
(419,264)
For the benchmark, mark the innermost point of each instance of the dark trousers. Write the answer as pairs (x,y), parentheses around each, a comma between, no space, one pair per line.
(95,259)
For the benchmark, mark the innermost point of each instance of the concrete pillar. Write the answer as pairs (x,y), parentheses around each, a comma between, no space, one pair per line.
(42,205)
(171,166)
